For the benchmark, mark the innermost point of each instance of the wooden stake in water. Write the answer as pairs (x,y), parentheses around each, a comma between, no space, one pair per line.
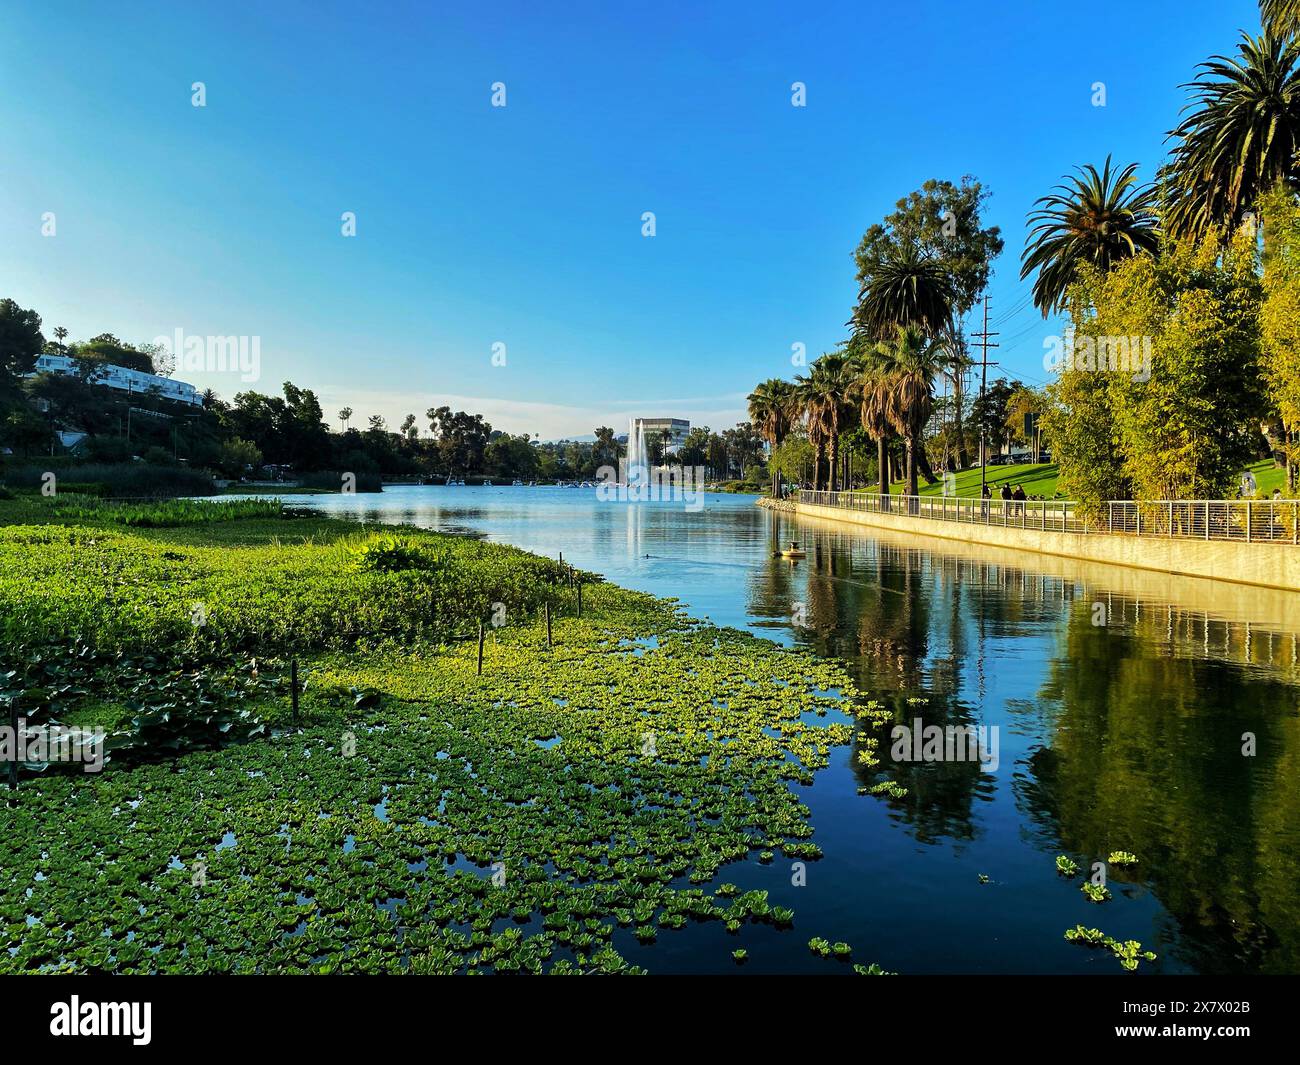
(13,732)
(480,648)
(548,624)
(293,689)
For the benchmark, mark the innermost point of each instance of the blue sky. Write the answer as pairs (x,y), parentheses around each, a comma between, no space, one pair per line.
(522,225)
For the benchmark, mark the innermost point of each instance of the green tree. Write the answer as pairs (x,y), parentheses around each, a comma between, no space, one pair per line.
(695,449)
(1096,218)
(910,363)
(791,458)
(823,397)
(1280,317)
(990,411)
(109,350)
(1281,17)
(905,287)
(772,410)
(236,455)
(605,451)
(1182,426)
(871,391)
(1024,401)
(1239,138)
(20,342)
(943,221)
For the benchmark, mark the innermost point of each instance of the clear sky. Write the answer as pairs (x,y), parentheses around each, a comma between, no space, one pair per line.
(479,225)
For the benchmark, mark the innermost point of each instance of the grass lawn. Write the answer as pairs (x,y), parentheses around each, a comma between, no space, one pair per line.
(1038,480)
(1041,480)
(557,813)
(1267,477)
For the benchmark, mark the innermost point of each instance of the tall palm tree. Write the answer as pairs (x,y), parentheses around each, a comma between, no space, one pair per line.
(1280,17)
(910,363)
(345,416)
(871,391)
(1098,218)
(906,288)
(837,374)
(772,410)
(807,407)
(823,398)
(1239,137)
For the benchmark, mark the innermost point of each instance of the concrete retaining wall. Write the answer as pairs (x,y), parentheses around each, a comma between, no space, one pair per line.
(1261,565)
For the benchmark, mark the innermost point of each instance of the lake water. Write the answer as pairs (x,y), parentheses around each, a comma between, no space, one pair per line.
(1123,702)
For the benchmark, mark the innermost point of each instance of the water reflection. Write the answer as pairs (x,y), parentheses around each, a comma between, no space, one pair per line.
(1150,727)
(1121,698)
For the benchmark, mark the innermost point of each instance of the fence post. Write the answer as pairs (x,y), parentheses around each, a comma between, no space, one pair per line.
(548,623)
(480,648)
(293,689)
(580,599)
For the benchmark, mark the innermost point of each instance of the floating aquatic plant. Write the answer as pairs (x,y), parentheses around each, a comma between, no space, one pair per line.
(1122,858)
(1065,866)
(408,821)
(1095,892)
(1129,952)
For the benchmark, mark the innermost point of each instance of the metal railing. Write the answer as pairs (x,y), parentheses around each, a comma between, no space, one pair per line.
(1244,520)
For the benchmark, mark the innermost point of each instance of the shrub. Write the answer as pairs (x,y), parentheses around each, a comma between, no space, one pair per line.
(390,554)
(122,480)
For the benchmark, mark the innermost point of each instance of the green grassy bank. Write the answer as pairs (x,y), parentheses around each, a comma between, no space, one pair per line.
(1039,480)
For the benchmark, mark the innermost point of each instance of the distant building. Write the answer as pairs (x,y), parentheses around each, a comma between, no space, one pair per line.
(678,429)
(132,382)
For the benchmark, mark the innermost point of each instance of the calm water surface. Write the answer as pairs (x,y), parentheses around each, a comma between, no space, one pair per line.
(1121,700)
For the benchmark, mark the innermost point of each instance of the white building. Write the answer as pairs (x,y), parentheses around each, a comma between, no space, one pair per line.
(132,382)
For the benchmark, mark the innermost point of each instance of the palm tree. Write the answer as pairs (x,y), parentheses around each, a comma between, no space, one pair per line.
(605,449)
(345,416)
(905,289)
(910,363)
(908,294)
(1239,139)
(822,396)
(838,373)
(771,409)
(871,392)
(1280,17)
(1098,218)
(806,407)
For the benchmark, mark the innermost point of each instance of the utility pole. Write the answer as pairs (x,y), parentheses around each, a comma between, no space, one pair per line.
(984,378)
